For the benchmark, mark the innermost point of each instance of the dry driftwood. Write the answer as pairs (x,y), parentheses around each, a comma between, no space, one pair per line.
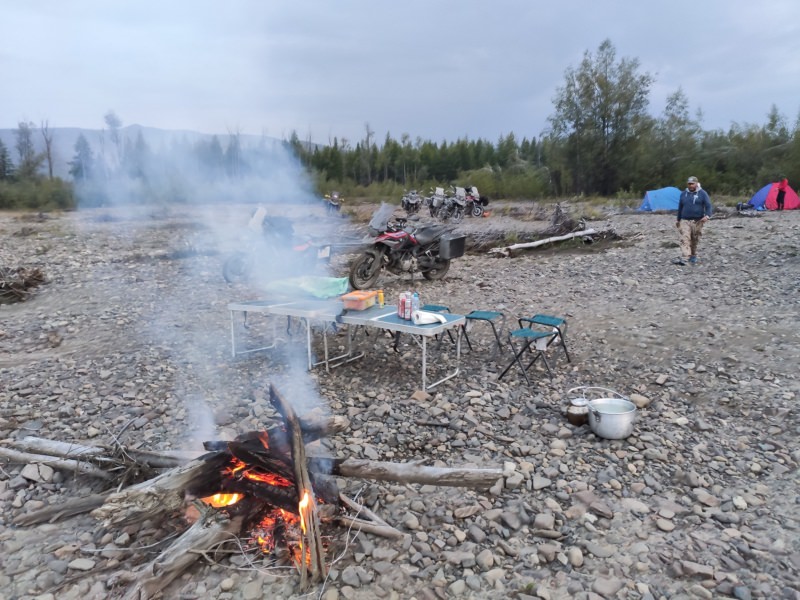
(15,283)
(507,250)
(150,498)
(200,539)
(414,473)
(61,510)
(66,464)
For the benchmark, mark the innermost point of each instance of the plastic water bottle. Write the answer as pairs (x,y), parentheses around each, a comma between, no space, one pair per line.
(414,302)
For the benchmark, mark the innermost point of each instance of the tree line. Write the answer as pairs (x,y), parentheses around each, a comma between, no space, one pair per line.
(601,140)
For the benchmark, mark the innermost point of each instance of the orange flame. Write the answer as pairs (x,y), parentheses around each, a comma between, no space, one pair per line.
(305,501)
(222,500)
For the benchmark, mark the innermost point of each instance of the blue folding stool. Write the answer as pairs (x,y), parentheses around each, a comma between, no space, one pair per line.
(528,338)
(557,323)
(490,317)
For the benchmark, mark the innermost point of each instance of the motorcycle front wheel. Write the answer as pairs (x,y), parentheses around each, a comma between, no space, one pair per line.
(438,272)
(477,210)
(237,267)
(458,215)
(365,271)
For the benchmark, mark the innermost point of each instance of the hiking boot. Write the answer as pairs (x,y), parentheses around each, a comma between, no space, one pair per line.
(693,260)
(679,261)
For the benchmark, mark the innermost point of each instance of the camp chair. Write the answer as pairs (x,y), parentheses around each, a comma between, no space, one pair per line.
(558,324)
(490,317)
(530,339)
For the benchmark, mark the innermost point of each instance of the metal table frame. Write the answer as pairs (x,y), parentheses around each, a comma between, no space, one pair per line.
(325,313)
(254,306)
(330,312)
(386,318)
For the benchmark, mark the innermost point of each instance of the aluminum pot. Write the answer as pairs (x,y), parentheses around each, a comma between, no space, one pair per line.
(612,418)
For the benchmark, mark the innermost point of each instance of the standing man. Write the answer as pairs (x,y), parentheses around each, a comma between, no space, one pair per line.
(781,192)
(694,209)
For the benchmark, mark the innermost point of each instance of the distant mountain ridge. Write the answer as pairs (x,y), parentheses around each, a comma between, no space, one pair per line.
(159,140)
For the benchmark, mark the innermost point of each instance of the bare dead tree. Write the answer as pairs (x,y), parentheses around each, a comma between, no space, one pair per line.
(48,147)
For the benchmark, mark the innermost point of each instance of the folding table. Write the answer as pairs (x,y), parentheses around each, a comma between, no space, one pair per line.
(386,318)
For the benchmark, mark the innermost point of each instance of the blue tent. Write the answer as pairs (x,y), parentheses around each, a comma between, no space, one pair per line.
(664,199)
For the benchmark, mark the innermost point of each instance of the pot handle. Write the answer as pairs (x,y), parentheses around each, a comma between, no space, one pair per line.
(587,389)
(596,413)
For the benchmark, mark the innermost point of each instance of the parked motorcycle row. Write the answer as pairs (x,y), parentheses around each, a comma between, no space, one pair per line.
(445,207)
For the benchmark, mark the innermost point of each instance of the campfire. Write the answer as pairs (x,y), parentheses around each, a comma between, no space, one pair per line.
(260,490)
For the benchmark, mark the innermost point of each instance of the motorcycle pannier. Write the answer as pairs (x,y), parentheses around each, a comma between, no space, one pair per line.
(452,247)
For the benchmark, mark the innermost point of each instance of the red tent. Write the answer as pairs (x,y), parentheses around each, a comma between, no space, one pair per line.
(765,198)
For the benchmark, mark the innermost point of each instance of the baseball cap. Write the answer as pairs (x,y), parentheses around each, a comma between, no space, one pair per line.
(692,179)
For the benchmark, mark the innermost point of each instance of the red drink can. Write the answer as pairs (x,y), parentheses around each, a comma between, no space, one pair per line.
(401,306)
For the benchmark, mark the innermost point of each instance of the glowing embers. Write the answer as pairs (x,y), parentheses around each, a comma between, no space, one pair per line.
(277,526)
(238,469)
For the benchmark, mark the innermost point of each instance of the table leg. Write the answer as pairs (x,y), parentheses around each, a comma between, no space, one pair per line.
(233,337)
(308,343)
(424,361)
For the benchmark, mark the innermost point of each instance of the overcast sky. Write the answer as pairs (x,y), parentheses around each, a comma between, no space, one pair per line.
(434,69)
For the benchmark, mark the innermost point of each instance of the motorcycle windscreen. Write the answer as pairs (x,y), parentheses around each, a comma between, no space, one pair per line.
(380,218)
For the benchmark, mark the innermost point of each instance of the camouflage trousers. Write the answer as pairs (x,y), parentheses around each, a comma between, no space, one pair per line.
(690,237)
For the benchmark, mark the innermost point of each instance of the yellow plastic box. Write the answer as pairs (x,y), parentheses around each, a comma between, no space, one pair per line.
(360,300)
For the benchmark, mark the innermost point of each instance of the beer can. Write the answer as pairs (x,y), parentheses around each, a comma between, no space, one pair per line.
(401,306)
(408,306)
(380,298)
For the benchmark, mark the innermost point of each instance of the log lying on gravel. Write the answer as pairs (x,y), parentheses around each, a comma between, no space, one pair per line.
(507,250)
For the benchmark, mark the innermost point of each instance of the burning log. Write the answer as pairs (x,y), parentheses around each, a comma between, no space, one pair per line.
(315,566)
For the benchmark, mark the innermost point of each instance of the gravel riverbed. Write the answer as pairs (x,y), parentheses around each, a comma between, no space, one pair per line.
(130,340)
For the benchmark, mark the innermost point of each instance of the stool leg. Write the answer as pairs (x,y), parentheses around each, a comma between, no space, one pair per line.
(466,337)
(564,343)
(496,336)
(540,354)
(517,361)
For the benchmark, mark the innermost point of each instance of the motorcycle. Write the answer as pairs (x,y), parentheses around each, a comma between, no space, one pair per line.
(273,251)
(454,206)
(411,202)
(475,202)
(400,247)
(435,201)
(333,203)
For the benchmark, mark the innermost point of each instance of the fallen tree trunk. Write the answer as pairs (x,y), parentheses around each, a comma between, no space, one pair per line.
(414,473)
(506,251)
